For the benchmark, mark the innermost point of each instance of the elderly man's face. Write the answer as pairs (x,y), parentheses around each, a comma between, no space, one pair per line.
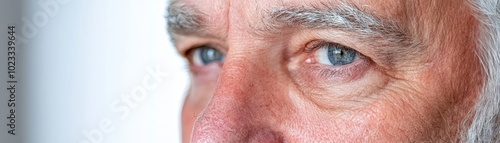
(325,70)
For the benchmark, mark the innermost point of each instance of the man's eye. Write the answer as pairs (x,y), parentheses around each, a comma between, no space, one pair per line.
(335,54)
(205,55)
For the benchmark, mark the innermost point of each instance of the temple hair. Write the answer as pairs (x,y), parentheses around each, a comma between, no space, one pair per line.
(485,117)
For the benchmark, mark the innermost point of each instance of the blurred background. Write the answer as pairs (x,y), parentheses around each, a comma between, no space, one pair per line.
(94,71)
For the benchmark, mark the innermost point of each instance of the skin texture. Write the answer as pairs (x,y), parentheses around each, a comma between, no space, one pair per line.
(269,89)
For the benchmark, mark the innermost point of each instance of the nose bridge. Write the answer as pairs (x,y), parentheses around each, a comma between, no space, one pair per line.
(244,83)
(243,100)
(248,79)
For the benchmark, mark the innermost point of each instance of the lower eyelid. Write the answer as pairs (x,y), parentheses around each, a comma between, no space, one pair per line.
(209,71)
(341,74)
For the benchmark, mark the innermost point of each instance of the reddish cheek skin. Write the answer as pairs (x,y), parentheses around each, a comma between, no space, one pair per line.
(194,104)
(343,125)
(202,87)
(188,118)
(349,91)
(316,126)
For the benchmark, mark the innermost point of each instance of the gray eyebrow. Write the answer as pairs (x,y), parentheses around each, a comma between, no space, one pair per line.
(343,17)
(184,20)
(391,42)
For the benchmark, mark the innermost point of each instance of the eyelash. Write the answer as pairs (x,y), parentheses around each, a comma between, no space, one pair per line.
(346,73)
(342,73)
(202,71)
(322,72)
(188,54)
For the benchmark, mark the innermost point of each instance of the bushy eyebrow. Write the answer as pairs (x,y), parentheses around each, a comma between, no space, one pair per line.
(342,17)
(183,20)
(390,41)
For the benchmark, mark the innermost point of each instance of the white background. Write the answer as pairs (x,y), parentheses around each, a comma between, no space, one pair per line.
(90,55)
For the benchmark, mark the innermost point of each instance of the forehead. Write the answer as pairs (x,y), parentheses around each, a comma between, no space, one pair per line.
(219,15)
(221,7)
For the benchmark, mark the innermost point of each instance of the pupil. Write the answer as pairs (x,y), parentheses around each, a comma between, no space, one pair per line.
(209,55)
(339,55)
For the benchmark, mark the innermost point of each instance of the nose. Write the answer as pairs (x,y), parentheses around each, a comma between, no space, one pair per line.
(249,104)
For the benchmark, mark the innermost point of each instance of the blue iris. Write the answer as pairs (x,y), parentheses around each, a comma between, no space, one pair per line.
(340,55)
(209,55)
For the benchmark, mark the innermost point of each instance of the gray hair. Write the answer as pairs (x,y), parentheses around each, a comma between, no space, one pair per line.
(485,117)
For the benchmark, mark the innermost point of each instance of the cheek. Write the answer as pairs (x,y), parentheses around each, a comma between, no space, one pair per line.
(415,110)
(188,118)
(194,104)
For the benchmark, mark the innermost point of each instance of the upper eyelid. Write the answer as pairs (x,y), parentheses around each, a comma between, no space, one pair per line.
(311,46)
(188,53)
(184,43)
(314,45)
(187,49)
